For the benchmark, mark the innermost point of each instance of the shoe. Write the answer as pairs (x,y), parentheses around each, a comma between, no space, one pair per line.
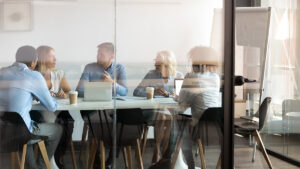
(162,164)
(108,161)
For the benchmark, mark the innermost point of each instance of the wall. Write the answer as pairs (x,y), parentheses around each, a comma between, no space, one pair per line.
(75,28)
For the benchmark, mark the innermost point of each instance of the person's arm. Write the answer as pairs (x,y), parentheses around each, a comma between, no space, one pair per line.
(140,90)
(185,97)
(121,85)
(64,88)
(84,78)
(147,81)
(41,92)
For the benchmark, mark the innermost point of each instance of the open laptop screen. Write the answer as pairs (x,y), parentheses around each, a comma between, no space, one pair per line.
(177,85)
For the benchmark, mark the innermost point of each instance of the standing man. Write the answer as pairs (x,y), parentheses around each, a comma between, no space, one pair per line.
(103,70)
(19,86)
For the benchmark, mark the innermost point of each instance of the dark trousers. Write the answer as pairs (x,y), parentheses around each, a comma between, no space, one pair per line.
(67,122)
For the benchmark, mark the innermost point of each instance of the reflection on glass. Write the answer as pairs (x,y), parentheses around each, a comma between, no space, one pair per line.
(100,53)
(282,134)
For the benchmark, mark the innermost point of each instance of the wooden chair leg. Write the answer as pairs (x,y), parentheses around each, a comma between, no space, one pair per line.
(87,154)
(125,157)
(83,141)
(219,162)
(177,148)
(44,153)
(18,159)
(23,156)
(145,140)
(102,152)
(139,155)
(73,154)
(202,157)
(262,147)
(93,154)
(129,157)
(13,160)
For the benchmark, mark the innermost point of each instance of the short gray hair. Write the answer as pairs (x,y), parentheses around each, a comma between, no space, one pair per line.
(107,45)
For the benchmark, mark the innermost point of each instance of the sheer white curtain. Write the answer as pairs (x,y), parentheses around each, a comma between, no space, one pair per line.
(282,72)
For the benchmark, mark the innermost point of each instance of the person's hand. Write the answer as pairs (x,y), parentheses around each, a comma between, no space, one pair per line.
(175,97)
(105,77)
(61,94)
(52,93)
(161,92)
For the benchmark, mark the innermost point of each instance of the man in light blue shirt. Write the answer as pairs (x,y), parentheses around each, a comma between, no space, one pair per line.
(19,85)
(103,70)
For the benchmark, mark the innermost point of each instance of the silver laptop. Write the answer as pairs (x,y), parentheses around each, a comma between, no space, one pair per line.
(97,91)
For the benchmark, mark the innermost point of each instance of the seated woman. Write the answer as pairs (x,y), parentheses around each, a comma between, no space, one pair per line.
(55,78)
(58,87)
(162,79)
(200,90)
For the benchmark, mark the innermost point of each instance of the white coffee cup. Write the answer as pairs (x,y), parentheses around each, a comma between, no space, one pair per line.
(149,92)
(73,97)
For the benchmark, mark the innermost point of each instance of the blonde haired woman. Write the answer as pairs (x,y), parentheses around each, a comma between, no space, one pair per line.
(55,78)
(58,87)
(162,79)
(200,90)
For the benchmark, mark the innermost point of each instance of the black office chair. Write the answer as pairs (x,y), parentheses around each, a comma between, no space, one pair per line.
(130,127)
(243,126)
(212,117)
(14,136)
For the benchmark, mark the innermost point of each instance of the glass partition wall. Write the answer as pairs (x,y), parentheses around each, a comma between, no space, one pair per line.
(278,76)
(162,60)
(157,42)
(281,133)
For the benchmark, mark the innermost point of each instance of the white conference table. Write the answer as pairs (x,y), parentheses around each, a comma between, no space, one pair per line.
(127,103)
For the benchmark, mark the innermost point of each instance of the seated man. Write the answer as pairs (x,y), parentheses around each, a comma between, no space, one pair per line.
(200,90)
(19,86)
(103,70)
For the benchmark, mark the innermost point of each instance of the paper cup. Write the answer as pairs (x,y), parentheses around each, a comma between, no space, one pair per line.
(73,97)
(149,92)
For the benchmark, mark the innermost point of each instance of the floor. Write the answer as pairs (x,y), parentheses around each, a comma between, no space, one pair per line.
(243,156)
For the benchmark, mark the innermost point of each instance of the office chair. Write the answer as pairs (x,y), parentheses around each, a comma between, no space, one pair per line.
(243,126)
(14,135)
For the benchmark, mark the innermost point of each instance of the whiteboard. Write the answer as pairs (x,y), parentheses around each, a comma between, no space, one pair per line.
(251,30)
(252,26)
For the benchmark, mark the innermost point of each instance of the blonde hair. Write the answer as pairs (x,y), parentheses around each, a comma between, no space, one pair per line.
(204,58)
(167,57)
(42,53)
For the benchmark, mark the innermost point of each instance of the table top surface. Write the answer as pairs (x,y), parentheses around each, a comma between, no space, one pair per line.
(125,103)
